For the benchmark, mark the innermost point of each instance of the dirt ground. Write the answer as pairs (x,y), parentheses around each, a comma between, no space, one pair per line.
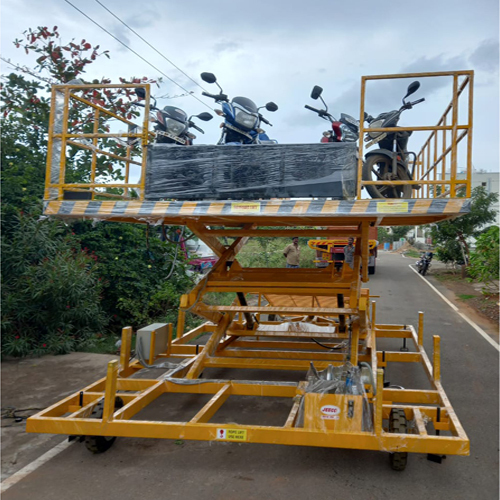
(470,294)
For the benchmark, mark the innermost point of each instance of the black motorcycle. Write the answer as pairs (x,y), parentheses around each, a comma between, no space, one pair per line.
(390,161)
(171,123)
(424,264)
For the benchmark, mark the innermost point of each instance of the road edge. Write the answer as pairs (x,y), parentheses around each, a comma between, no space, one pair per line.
(462,315)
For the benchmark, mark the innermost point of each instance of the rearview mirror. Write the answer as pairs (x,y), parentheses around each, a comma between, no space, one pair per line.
(140,92)
(206,117)
(316,92)
(271,106)
(412,88)
(208,77)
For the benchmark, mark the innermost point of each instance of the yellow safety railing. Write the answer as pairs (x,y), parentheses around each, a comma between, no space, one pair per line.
(437,164)
(435,171)
(66,137)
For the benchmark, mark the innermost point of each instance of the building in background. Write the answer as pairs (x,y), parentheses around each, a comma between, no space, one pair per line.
(489,180)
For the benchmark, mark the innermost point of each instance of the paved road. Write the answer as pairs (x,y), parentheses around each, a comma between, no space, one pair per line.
(154,469)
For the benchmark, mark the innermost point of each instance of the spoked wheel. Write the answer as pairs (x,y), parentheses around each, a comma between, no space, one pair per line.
(379,168)
(398,425)
(100,444)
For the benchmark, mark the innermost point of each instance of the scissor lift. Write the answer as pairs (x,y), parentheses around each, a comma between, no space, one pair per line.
(304,320)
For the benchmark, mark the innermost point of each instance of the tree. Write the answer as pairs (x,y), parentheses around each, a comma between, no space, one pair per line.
(50,290)
(452,237)
(107,275)
(26,109)
(485,258)
(133,264)
(399,232)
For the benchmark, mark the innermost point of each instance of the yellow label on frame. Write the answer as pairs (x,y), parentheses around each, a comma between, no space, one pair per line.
(390,207)
(245,208)
(232,434)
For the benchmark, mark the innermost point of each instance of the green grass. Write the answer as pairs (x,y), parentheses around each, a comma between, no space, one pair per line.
(412,253)
(464,296)
(448,276)
(102,345)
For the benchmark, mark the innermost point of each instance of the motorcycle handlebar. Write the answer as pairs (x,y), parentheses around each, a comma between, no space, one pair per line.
(217,97)
(196,127)
(262,119)
(418,102)
(312,109)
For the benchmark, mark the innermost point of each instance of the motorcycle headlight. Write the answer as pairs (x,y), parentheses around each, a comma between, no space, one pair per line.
(244,119)
(347,134)
(174,126)
(375,124)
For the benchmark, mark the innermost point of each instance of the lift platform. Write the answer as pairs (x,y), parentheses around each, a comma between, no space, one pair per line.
(319,322)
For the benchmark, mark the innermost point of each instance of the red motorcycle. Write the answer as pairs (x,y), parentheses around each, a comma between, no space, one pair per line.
(344,130)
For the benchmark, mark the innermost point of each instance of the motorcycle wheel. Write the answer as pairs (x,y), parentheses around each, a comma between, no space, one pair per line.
(424,270)
(378,167)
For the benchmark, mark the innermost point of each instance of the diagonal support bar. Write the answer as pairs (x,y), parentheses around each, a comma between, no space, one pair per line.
(210,347)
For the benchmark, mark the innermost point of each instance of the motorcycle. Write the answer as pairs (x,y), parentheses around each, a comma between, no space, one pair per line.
(344,130)
(424,264)
(242,119)
(390,161)
(171,123)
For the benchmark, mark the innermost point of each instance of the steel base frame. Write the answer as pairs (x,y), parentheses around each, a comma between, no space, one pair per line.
(324,304)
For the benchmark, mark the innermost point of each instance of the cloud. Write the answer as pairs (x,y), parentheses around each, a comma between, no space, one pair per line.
(486,56)
(385,95)
(123,34)
(145,19)
(226,46)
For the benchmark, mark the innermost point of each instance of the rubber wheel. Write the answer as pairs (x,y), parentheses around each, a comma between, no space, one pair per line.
(398,425)
(424,270)
(379,167)
(100,444)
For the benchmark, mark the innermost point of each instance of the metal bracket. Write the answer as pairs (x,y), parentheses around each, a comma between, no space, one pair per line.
(350,409)
(435,458)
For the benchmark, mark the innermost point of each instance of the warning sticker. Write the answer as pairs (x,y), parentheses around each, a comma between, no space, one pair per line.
(232,434)
(389,207)
(245,208)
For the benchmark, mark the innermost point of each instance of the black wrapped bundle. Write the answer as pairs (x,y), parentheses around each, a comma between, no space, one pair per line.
(249,172)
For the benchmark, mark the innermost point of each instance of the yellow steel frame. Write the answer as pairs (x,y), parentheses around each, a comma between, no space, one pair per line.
(59,134)
(318,303)
(238,341)
(439,152)
(432,158)
(326,253)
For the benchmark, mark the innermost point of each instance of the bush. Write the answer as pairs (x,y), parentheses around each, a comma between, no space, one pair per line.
(142,277)
(50,291)
(485,259)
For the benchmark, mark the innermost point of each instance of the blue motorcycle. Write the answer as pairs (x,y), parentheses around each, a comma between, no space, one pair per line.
(241,117)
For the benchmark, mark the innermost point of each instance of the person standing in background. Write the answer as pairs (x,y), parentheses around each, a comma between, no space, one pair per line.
(292,254)
(349,253)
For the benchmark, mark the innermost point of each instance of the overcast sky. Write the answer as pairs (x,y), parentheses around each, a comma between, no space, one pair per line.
(277,50)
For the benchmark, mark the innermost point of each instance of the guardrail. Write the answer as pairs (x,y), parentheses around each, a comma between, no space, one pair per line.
(81,141)
(89,159)
(437,163)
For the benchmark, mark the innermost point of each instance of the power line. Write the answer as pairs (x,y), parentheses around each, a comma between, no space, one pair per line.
(146,42)
(137,54)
